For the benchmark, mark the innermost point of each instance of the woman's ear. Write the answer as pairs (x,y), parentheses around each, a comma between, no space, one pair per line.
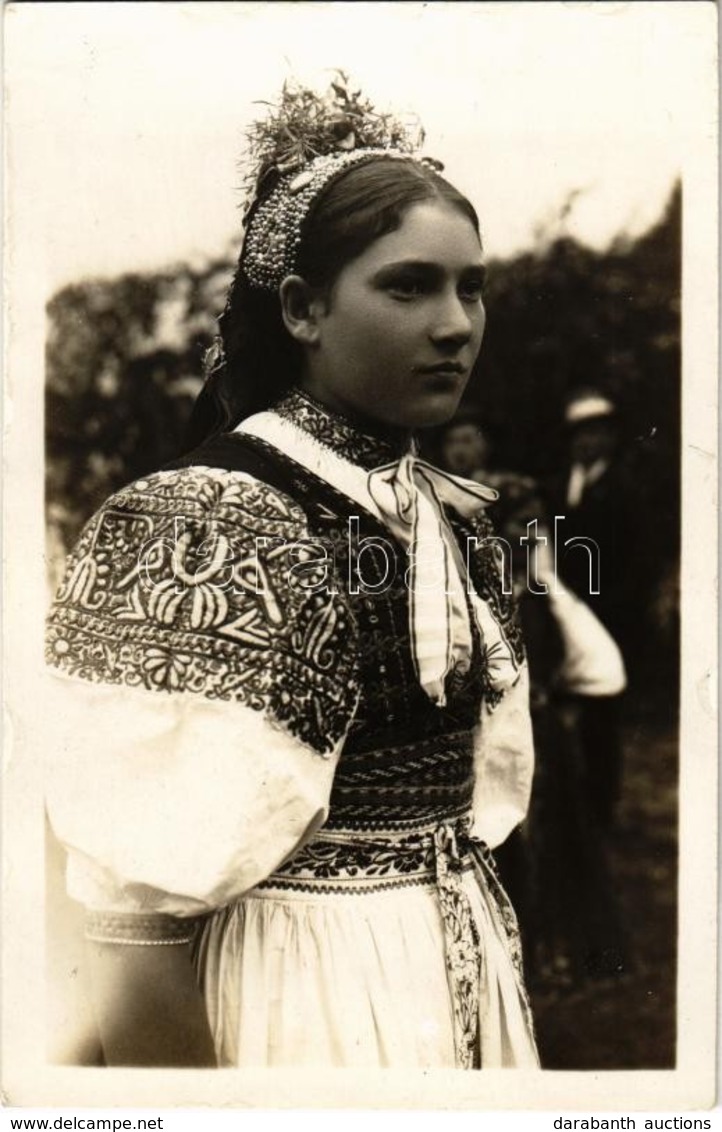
(300,308)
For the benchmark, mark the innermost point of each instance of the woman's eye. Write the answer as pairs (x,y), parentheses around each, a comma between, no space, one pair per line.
(469,290)
(406,287)
(472,291)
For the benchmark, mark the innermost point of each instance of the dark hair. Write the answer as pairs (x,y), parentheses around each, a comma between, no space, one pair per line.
(261,361)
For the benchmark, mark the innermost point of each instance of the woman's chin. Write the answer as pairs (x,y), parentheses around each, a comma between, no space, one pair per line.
(422,411)
(432,411)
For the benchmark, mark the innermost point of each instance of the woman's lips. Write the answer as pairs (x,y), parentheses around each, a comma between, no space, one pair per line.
(443,378)
(445,369)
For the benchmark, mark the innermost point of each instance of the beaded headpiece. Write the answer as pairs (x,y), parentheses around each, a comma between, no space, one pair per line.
(299,149)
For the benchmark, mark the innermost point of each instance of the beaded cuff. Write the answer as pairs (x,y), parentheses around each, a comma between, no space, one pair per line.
(142,929)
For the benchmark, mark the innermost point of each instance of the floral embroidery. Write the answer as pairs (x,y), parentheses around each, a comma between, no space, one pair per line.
(463,956)
(167,670)
(506,919)
(360,857)
(486,567)
(339,434)
(181,584)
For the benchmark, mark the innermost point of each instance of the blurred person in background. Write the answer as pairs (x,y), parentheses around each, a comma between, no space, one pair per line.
(555,866)
(466,448)
(591,505)
(593,500)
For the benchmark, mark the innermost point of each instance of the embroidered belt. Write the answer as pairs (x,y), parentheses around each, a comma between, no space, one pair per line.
(353,862)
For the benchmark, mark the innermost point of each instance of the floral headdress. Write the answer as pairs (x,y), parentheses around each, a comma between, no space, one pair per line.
(296,151)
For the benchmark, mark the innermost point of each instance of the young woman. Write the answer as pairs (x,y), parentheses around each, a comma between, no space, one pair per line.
(292,693)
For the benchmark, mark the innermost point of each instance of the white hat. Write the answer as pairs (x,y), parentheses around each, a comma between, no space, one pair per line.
(587,406)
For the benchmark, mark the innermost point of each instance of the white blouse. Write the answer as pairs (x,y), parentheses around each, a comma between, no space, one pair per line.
(178,804)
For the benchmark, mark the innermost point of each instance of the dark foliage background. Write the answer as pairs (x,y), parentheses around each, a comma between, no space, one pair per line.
(124,359)
(565,317)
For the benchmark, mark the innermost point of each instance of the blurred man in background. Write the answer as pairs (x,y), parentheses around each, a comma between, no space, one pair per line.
(555,868)
(590,505)
(466,449)
(593,505)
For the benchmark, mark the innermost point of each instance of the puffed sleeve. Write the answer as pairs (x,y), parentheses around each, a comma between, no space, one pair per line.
(202,679)
(503,738)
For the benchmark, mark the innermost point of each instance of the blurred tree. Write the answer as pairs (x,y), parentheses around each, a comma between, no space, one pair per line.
(124,361)
(566,317)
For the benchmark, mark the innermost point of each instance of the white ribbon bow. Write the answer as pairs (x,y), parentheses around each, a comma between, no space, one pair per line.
(409,494)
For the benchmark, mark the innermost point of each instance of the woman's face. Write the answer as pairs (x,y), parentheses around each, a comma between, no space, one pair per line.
(401,330)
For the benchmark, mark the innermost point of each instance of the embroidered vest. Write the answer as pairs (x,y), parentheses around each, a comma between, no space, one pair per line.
(405,760)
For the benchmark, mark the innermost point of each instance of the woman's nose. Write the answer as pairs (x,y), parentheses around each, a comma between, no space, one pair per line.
(452,322)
